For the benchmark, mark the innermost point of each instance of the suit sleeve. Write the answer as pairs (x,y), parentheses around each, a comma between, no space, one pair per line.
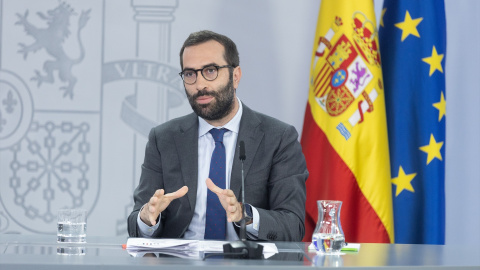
(151,179)
(284,220)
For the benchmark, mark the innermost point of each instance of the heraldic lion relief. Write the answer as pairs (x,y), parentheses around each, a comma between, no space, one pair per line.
(51,39)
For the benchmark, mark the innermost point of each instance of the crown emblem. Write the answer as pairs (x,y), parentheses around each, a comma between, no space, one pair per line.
(364,34)
(336,23)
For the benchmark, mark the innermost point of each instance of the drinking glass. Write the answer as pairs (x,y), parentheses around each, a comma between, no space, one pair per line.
(72,226)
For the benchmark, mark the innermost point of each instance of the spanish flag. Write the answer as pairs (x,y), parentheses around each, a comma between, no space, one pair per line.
(344,136)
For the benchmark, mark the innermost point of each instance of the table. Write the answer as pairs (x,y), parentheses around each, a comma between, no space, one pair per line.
(40,252)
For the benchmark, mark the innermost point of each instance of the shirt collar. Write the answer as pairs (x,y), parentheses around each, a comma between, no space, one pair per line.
(233,125)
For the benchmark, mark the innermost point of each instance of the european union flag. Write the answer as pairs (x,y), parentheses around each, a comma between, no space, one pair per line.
(413,49)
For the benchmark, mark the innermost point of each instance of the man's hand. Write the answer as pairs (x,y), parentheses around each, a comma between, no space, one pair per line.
(228,200)
(158,202)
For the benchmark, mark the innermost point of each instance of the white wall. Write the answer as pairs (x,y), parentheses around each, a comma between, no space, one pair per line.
(114,103)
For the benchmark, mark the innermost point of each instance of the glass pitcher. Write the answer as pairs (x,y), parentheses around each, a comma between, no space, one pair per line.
(328,237)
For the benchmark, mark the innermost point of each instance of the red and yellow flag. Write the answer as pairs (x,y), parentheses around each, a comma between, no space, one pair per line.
(344,135)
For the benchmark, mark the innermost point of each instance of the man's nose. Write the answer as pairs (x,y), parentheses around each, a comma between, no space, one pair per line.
(201,82)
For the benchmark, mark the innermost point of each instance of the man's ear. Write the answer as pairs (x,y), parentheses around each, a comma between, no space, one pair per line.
(237,75)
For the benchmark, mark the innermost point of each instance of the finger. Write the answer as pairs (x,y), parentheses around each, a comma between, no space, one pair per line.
(212,187)
(159,193)
(232,208)
(151,204)
(152,216)
(232,200)
(229,193)
(235,217)
(177,194)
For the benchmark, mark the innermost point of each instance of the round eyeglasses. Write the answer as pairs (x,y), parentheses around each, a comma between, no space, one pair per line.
(210,73)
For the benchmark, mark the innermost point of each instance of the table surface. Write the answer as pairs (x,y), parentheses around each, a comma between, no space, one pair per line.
(40,252)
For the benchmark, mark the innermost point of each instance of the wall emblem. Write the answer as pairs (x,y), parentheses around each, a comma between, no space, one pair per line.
(51,39)
(70,101)
(49,145)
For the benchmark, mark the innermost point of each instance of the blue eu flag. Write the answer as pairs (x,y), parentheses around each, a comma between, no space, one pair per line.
(413,49)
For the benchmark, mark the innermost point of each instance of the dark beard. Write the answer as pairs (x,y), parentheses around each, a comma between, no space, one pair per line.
(221,106)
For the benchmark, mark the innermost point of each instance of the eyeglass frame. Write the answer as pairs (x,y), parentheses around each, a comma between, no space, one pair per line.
(201,72)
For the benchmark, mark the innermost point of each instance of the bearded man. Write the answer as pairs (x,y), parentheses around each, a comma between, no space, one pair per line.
(191,175)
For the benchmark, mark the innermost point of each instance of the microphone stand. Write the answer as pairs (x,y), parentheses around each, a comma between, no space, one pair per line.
(243,226)
(243,249)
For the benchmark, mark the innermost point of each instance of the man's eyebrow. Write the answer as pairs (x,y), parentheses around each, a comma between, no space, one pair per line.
(209,65)
(204,66)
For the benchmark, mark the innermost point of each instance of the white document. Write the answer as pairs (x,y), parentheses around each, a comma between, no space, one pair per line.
(149,244)
(184,248)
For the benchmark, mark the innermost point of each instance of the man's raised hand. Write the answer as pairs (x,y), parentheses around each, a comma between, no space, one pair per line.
(159,202)
(228,200)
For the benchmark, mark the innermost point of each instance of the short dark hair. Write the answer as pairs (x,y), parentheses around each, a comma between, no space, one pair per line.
(196,38)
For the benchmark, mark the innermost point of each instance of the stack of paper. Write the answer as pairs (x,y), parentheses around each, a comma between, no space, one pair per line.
(184,248)
(138,247)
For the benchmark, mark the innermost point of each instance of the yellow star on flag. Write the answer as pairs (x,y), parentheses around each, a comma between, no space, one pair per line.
(435,61)
(432,149)
(381,17)
(409,26)
(441,106)
(403,181)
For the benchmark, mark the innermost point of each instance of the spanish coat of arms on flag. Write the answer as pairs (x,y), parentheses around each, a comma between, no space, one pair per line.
(344,137)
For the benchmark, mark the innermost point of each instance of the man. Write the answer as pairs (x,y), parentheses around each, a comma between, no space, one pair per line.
(191,177)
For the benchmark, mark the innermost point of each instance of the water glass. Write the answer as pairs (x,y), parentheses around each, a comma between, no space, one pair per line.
(328,237)
(72,226)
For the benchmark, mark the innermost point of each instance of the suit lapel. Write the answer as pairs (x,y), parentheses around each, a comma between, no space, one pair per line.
(186,142)
(250,132)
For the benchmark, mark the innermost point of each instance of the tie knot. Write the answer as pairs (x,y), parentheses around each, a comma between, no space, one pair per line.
(217,134)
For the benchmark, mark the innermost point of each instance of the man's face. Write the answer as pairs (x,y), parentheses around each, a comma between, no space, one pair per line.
(211,100)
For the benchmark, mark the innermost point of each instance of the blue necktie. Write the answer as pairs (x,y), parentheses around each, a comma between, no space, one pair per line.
(216,220)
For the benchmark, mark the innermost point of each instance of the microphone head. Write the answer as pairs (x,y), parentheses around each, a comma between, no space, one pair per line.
(242,155)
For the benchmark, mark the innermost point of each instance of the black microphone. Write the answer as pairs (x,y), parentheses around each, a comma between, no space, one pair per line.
(242,155)
(243,249)
(243,228)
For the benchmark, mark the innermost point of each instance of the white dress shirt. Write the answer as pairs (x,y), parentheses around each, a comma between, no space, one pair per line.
(206,145)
